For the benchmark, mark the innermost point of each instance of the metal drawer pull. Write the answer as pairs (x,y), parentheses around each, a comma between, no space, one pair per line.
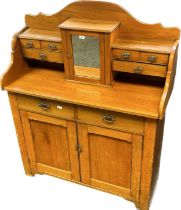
(29,44)
(126,55)
(109,119)
(138,70)
(44,106)
(152,58)
(52,47)
(42,56)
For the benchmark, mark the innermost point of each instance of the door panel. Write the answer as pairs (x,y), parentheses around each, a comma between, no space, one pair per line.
(110,160)
(50,146)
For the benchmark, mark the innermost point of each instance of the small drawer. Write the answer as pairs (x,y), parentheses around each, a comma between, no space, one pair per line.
(113,120)
(51,46)
(139,68)
(127,55)
(30,44)
(154,58)
(45,106)
(43,55)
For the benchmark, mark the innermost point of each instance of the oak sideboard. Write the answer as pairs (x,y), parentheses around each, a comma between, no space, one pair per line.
(88,88)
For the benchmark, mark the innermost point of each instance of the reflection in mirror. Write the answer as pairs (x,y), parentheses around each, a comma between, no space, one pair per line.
(86,55)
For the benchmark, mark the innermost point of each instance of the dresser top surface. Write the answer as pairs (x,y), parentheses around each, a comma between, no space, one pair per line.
(89,25)
(131,98)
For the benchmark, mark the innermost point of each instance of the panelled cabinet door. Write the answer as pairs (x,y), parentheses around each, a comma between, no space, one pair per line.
(51,145)
(110,160)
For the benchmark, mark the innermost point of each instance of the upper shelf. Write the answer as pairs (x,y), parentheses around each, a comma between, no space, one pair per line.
(141,45)
(89,25)
(41,35)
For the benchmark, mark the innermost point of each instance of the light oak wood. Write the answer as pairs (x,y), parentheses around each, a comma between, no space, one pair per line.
(89,25)
(56,109)
(121,121)
(137,56)
(156,46)
(102,130)
(146,69)
(35,43)
(144,98)
(43,55)
(38,34)
(48,143)
(107,160)
(56,46)
(20,134)
(104,11)
(169,81)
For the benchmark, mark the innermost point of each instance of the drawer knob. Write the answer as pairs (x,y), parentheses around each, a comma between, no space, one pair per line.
(109,119)
(29,44)
(152,58)
(44,106)
(138,70)
(126,55)
(42,56)
(52,47)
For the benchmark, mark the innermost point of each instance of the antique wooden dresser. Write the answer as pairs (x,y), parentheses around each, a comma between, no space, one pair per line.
(88,88)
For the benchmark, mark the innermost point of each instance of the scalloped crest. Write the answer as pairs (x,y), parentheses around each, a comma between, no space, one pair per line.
(130,27)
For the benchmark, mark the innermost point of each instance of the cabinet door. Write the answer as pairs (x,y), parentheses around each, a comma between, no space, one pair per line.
(51,145)
(110,160)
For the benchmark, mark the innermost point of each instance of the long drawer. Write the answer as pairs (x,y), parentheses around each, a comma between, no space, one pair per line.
(145,57)
(43,55)
(139,68)
(45,106)
(111,120)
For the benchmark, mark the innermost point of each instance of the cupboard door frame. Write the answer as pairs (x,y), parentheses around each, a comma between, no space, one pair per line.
(70,126)
(136,141)
(69,53)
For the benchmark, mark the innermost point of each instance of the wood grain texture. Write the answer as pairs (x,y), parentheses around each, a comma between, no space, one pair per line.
(169,83)
(89,25)
(144,98)
(17,65)
(161,59)
(122,122)
(20,134)
(107,12)
(56,109)
(147,69)
(56,57)
(147,163)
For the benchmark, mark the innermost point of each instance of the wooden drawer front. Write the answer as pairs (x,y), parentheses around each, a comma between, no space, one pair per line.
(44,106)
(127,55)
(145,57)
(154,58)
(30,44)
(140,68)
(51,46)
(112,120)
(43,55)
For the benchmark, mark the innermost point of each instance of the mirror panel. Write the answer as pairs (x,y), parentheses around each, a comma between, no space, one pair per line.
(86,56)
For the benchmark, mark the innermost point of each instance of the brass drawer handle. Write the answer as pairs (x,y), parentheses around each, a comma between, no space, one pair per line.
(152,58)
(52,47)
(109,119)
(138,70)
(42,56)
(29,44)
(126,55)
(44,106)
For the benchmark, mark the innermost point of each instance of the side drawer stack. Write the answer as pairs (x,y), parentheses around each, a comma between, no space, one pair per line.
(140,62)
(42,50)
